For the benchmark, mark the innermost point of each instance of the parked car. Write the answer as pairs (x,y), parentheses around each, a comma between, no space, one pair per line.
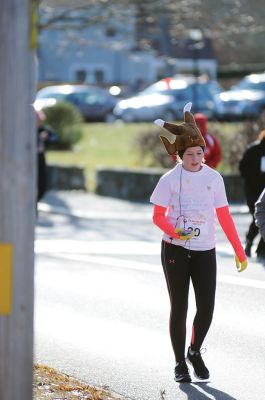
(95,104)
(166,99)
(243,101)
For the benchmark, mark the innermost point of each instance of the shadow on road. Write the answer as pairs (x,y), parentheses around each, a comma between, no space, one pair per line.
(54,199)
(201,391)
(58,205)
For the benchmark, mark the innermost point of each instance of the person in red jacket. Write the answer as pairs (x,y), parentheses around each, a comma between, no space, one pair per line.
(213,153)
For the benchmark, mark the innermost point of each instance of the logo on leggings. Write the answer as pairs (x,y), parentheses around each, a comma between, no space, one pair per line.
(171,261)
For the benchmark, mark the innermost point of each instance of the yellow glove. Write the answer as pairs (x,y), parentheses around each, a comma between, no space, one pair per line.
(241,265)
(184,235)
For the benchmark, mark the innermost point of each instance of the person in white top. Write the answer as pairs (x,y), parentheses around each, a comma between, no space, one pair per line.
(186,200)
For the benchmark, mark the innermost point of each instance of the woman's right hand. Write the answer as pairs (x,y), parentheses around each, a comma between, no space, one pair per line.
(183,234)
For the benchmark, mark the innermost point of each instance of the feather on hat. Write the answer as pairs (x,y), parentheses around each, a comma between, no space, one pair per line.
(187,134)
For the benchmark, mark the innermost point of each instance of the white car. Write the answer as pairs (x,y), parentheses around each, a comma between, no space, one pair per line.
(166,99)
(245,100)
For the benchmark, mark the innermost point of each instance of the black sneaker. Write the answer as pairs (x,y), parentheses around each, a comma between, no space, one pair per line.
(182,372)
(200,370)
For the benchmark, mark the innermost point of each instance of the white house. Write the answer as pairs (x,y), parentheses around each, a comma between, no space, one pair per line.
(102,53)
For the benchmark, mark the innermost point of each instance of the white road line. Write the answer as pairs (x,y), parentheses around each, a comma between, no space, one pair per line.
(146,267)
(128,247)
(97,247)
(254,283)
(110,261)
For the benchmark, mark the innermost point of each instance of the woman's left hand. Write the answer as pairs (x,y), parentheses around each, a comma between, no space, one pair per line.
(241,265)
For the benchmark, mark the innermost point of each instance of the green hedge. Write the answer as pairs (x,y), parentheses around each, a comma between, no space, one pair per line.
(66,120)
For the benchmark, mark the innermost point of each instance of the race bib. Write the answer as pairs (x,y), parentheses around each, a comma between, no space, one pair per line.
(196,224)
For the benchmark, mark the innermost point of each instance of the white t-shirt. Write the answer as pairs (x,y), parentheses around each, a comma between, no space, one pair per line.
(191,199)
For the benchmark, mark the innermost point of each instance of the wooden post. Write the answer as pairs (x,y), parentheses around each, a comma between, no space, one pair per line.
(17,198)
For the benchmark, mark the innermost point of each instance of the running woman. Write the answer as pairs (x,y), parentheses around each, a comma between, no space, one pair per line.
(186,200)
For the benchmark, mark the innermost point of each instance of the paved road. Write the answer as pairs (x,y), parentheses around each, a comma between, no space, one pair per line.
(102,308)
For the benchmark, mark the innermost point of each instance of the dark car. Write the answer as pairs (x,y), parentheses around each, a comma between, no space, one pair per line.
(243,101)
(95,104)
(166,99)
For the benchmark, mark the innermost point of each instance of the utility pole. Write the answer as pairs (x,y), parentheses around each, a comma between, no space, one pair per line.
(17,197)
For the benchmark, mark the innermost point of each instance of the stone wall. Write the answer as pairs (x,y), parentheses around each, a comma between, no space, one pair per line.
(65,177)
(137,185)
(125,183)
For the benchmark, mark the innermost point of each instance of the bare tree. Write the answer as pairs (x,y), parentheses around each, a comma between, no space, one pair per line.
(236,27)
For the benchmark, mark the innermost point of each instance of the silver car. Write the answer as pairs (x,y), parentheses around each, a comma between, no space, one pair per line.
(95,104)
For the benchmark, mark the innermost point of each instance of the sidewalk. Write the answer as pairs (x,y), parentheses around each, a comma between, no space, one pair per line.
(80,204)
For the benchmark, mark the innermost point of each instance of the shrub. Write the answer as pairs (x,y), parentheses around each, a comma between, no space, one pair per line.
(152,150)
(66,120)
(233,138)
(234,144)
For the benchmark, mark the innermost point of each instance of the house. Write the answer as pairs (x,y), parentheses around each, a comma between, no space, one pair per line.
(104,53)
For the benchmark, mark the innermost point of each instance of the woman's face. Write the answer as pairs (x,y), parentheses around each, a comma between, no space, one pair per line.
(192,158)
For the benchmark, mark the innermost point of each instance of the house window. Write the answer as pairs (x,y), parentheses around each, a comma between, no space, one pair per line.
(111,31)
(81,75)
(99,75)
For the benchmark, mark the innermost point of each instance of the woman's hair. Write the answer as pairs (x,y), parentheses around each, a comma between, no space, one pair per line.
(181,152)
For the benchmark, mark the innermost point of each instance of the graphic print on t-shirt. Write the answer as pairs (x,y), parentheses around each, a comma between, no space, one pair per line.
(194,199)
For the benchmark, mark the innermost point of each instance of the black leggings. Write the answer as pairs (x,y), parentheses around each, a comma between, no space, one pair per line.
(253,231)
(180,265)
